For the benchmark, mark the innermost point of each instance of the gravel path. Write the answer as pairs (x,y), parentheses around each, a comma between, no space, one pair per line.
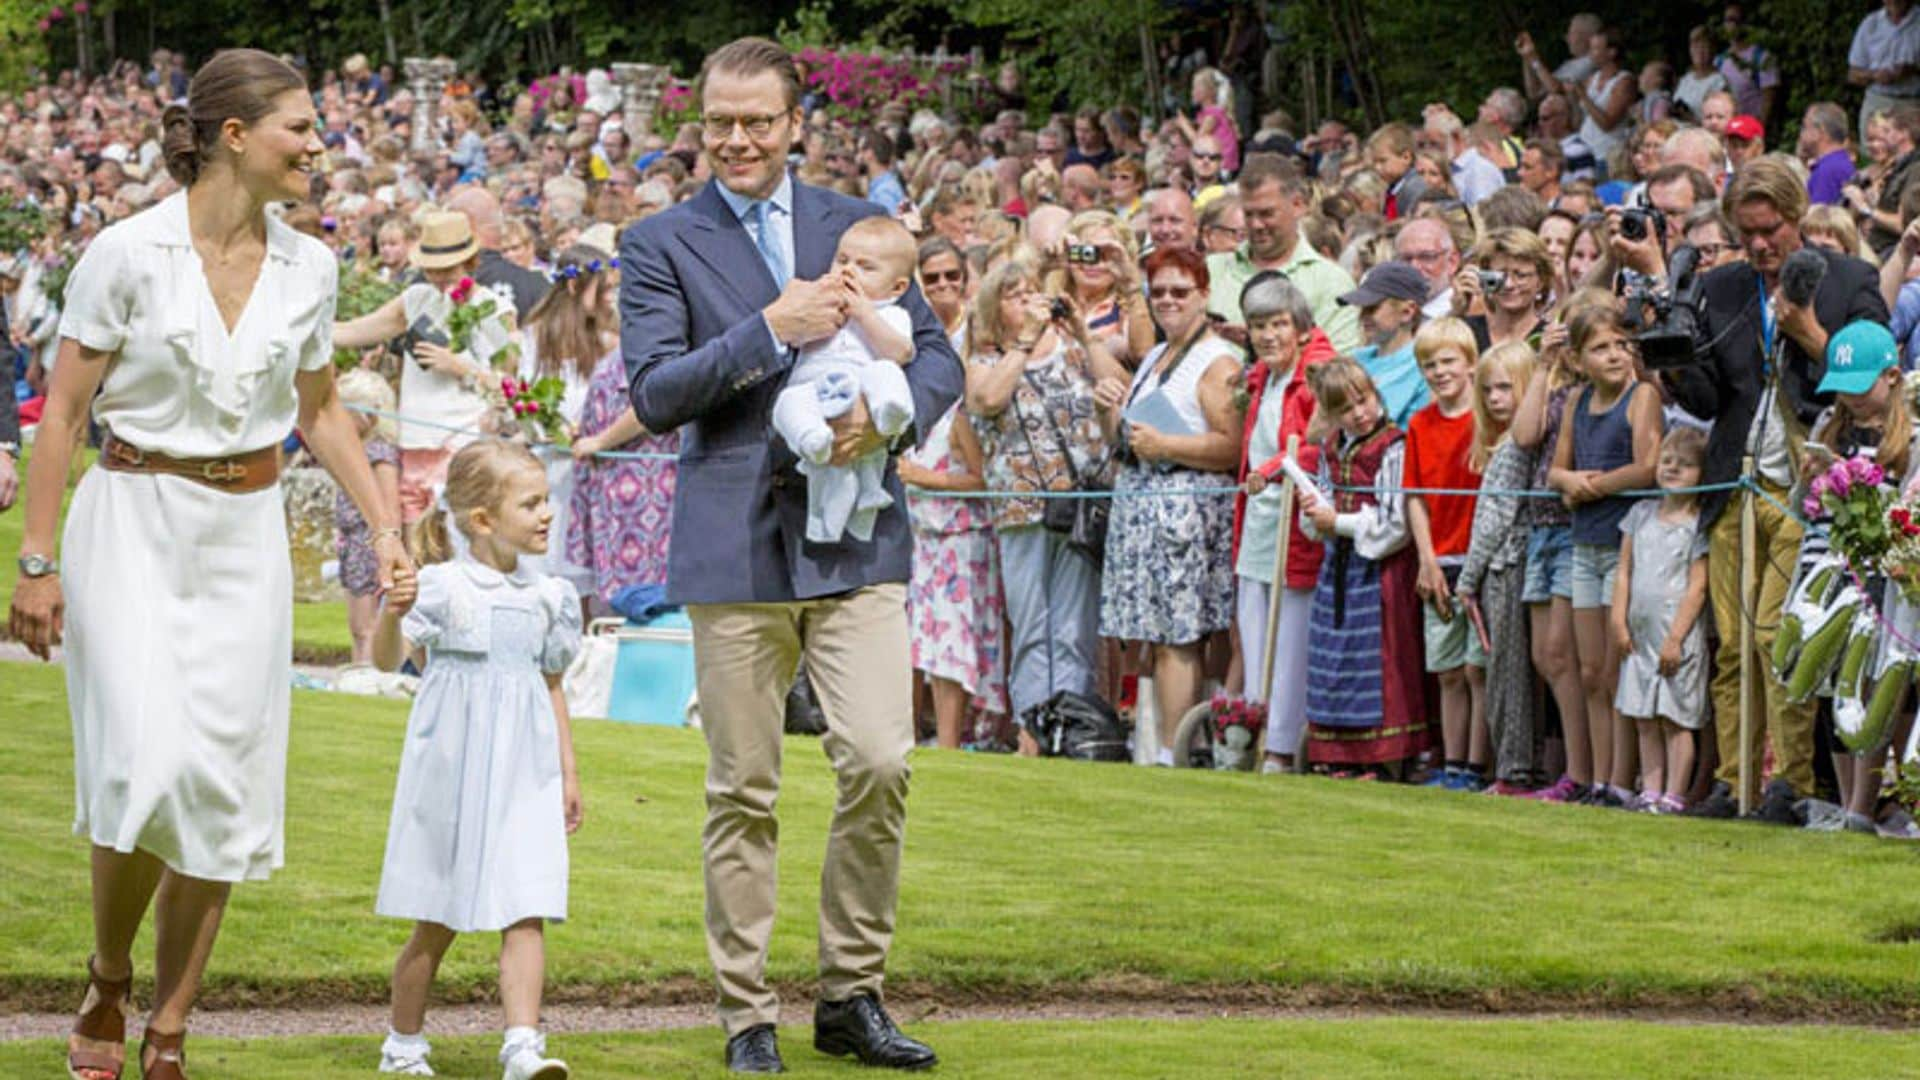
(370,1020)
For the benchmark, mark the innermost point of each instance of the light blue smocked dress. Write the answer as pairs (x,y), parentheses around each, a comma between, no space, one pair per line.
(478,835)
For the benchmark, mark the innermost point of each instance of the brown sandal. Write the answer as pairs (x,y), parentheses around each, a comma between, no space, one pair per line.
(103,1018)
(169,1055)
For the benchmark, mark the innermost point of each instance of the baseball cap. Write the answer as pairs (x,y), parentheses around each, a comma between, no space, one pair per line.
(1388,281)
(1745,128)
(1856,356)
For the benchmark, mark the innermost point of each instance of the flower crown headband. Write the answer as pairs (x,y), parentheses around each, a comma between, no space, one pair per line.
(612,262)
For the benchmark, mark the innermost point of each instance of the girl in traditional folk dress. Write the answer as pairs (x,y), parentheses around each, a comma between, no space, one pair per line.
(1366,702)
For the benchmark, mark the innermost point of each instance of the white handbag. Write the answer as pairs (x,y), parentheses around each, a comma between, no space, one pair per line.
(588,683)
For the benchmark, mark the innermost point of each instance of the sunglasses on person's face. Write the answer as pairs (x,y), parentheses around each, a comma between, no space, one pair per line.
(939,276)
(1174,292)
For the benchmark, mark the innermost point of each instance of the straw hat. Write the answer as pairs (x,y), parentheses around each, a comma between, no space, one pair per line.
(601,238)
(446,239)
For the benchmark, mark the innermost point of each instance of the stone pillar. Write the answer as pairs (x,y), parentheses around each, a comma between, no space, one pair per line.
(640,88)
(426,81)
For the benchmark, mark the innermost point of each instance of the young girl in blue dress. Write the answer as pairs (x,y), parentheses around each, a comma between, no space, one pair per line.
(487,792)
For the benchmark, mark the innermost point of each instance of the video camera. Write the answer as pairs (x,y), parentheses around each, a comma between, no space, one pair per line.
(1664,315)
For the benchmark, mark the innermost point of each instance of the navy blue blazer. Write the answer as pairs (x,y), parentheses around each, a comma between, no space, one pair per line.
(699,358)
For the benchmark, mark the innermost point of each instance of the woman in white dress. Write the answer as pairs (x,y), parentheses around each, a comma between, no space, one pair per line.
(203,327)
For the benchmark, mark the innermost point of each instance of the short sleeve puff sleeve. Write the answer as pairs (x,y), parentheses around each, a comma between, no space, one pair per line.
(99,297)
(316,351)
(1637,516)
(425,625)
(562,602)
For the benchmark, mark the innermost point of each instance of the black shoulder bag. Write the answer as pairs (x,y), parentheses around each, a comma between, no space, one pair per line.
(1083,521)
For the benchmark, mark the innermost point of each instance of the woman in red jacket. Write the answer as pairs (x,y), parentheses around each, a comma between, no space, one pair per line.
(1285,343)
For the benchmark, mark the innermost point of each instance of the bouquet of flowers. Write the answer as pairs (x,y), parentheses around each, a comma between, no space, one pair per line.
(473,307)
(1830,639)
(536,404)
(1236,730)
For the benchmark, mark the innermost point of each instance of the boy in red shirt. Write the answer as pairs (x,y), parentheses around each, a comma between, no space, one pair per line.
(1439,440)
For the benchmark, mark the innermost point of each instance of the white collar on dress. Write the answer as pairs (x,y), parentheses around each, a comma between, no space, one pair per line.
(169,228)
(488,578)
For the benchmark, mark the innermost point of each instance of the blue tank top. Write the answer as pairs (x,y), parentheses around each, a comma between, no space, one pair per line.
(1602,443)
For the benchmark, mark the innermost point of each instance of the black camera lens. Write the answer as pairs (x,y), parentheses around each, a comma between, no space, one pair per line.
(1060,309)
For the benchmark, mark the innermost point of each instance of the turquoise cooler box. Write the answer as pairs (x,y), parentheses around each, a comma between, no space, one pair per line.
(653,681)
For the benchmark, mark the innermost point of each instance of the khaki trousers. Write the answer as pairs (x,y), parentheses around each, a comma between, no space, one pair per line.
(856,648)
(1789,727)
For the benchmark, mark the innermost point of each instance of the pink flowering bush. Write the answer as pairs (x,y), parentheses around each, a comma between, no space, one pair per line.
(860,83)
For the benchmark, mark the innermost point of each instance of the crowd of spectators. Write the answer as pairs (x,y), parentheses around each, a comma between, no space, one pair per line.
(1160,309)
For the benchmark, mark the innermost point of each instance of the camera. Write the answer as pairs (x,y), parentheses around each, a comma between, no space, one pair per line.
(1639,222)
(1084,254)
(1492,281)
(1061,309)
(1663,316)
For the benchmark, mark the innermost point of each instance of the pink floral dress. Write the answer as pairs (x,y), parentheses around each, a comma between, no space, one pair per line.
(954,603)
(622,508)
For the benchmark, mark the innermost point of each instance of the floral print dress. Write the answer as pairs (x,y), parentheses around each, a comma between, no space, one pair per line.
(954,603)
(622,508)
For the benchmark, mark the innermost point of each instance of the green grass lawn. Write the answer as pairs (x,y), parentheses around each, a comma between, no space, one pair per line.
(1026,875)
(320,633)
(1115,1050)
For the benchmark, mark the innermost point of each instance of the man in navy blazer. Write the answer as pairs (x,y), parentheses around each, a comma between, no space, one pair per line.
(716,295)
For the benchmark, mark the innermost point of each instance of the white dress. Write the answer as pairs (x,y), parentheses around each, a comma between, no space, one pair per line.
(179,597)
(478,837)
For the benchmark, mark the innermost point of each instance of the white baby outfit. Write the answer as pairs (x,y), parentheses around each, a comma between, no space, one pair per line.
(844,500)
(478,837)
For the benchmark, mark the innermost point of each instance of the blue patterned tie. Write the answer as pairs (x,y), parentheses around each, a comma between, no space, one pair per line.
(767,238)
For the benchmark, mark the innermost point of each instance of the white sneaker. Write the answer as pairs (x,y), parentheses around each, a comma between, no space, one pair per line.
(408,1057)
(529,1064)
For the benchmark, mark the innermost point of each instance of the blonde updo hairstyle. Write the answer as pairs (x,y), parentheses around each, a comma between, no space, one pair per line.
(476,480)
(237,84)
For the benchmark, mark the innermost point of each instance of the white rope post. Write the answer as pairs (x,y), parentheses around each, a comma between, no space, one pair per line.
(1748,608)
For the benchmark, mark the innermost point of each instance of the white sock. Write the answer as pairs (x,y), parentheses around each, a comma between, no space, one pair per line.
(398,1045)
(521,1039)
(1165,757)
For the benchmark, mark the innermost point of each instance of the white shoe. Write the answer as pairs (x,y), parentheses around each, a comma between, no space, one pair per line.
(528,1064)
(406,1057)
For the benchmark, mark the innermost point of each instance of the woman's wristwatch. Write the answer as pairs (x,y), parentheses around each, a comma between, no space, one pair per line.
(33,566)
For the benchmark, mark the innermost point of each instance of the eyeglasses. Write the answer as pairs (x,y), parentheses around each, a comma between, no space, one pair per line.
(1714,251)
(720,128)
(1424,256)
(1228,230)
(1174,292)
(939,276)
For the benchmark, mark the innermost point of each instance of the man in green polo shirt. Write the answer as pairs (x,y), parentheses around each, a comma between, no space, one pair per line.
(1273,195)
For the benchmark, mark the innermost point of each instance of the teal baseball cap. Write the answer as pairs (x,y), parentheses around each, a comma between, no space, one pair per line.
(1856,356)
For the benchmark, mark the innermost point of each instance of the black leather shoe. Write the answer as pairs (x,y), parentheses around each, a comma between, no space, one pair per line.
(1719,803)
(755,1051)
(862,1028)
(1777,804)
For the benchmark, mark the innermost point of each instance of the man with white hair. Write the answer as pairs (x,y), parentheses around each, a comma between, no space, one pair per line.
(1506,109)
(1081,188)
(1701,149)
(1428,245)
(1474,176)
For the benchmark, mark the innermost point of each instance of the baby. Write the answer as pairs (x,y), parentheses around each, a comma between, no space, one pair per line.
(861,360)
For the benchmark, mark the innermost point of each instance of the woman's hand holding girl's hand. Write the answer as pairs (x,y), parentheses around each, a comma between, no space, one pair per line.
(396,566)
(570,798)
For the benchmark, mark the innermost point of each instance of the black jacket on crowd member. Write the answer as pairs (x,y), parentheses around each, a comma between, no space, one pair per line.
(528,285)
(1726,388)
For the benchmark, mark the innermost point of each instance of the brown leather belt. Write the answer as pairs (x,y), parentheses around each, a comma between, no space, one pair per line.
(240,474)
